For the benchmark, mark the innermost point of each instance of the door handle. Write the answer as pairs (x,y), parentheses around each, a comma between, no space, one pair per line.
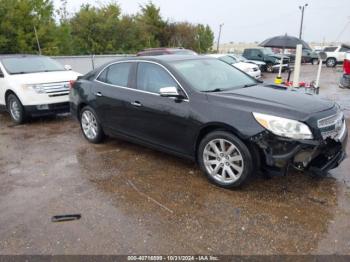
(98,94)
(136,103)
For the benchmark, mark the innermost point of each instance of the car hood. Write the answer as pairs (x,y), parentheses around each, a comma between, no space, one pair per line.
(274,100)
(45,77)
(256,62)
(244,66)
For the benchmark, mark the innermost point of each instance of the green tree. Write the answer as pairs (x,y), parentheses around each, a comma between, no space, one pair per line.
(17,21)
(94,29)
(152,24)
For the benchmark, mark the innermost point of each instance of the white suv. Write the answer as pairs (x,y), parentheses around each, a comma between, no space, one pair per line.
(251,69)
(33,85)
(335,54)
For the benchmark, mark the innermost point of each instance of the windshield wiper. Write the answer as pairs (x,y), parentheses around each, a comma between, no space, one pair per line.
(213,91)
(249,85)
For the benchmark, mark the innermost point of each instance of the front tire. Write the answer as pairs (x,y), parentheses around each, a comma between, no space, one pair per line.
(269,68)
(90,126)
(16,109)
(331,62)
(225,159)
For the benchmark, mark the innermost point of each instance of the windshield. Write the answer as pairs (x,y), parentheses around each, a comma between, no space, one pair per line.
(241,58)
(228,59)
(27,64)
(208,75)
(268,51)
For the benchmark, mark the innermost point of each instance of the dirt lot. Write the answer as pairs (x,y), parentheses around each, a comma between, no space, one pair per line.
(136,200)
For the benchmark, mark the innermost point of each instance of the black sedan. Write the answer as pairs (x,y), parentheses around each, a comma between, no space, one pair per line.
(206,110)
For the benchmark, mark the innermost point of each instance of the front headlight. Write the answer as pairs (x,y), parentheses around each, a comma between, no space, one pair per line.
(37,88)
(283,126)
(277,61)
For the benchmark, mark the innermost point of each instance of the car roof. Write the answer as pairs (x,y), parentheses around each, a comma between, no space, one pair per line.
(162,49)
(17,55)
(163,58)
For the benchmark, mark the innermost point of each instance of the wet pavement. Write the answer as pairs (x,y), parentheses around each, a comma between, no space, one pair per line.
(136,200)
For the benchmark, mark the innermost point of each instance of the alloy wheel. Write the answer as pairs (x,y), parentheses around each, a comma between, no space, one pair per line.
(223,161)
(89,124)
(15,110)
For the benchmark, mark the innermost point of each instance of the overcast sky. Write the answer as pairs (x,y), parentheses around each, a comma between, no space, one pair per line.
(251,20)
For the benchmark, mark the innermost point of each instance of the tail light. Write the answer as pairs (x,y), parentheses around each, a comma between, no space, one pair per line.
(71,83)
(346,65)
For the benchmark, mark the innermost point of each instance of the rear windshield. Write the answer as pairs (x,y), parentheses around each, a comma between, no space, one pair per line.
(207,75)
(26,65)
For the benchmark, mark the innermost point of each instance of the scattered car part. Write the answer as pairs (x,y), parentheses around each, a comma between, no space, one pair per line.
(65,218)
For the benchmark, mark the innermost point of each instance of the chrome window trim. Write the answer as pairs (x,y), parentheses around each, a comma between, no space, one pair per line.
(187,99)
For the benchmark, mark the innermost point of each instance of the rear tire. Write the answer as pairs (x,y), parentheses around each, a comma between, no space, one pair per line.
(331,62)
(90,126)
(16,109)
(225,159)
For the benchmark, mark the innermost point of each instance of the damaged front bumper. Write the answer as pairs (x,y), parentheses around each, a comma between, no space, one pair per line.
(317,156)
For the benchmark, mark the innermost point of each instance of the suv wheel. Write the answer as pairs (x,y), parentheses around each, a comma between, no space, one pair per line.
(269,68)
(90,126)
(16,109)
(225,159)
(331,62)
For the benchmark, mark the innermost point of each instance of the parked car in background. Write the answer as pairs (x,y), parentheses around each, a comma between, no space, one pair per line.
(336,54)
(33,85)
(165,51)
(249,68)
(206,110)
(345,80)
(260,64)
(308,56)
(266,55)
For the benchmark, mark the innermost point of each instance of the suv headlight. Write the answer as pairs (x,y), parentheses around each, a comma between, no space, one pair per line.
(37,88)
(277,61)
(283,126)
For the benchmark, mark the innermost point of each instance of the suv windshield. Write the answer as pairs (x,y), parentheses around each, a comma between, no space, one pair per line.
(267,51)
(208,75)
(27,64)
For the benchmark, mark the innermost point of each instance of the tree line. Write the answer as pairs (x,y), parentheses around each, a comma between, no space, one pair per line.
(93,30)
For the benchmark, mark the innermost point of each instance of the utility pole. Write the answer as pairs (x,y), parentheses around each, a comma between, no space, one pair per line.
(302,8)
(37,40)
(35,14)
(218,46)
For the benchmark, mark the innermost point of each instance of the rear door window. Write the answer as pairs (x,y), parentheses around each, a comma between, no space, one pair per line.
(116,74)
(330,49)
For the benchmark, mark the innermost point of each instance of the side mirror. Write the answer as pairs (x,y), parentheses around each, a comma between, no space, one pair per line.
(68,67)
(259,55)
(169,92)
(2,75)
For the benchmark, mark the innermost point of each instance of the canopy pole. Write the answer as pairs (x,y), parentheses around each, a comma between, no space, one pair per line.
(297,65)
(281,64)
